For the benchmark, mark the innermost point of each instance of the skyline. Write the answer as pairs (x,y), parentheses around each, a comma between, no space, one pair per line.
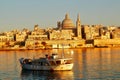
(25,14)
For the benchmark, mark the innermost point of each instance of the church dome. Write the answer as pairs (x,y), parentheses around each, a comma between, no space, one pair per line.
(67,22)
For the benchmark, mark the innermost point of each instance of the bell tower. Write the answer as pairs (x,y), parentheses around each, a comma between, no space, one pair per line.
(78,26)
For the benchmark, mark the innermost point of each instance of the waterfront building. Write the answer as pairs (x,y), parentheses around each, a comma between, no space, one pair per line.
(96,31)
(116,33)
(87,32)
(38,34)
(22,36)
(34,39)
(61,35)
(37,37)
(67,23)
(6,38)
(67,30)
(78,26)
(38,31)
(105,33)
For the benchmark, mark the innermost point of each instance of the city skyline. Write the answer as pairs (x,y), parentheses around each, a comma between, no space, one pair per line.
(25,14)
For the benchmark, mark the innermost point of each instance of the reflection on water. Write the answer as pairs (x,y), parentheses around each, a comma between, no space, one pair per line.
(89,64)
(96,63)
(46,75)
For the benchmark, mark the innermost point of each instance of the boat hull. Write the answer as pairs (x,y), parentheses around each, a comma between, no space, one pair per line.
(56,67)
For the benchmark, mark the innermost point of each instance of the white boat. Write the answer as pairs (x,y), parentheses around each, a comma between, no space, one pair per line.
(52,62)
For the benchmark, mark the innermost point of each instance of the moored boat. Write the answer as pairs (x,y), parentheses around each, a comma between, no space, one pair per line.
(52,62)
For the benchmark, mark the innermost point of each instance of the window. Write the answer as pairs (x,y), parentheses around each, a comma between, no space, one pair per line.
(52,63)
(58,62)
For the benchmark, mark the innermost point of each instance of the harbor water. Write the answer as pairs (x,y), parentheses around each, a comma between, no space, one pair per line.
(89,64)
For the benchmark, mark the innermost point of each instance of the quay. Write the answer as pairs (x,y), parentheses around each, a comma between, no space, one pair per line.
(57,44)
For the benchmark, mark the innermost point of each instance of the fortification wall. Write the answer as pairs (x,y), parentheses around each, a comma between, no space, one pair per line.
(107,42)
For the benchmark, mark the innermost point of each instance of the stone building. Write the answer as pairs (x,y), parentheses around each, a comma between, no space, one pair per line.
(20,37)
(61,35)
(87,32)
(7,36)
(67,30)
(96,31)
(116,33)
(78,27)
(6,40)
(67,23)
(34,39)
(105,33)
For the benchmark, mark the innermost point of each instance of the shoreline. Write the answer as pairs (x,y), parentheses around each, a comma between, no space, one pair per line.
(24,49)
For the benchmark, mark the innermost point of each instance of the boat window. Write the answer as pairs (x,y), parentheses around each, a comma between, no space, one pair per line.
(52,63)
(43,64)
(46,64)
(68,61)
(27,61)
(58,62)
(39,63)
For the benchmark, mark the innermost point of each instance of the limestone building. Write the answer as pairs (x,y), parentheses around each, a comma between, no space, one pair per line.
(67,30)
(67,23)
(78,26)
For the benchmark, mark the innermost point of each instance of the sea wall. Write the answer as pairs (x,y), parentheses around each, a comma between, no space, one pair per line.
(107,42)
(70,43)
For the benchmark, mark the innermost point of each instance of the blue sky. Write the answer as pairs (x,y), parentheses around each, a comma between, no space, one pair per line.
(19,14)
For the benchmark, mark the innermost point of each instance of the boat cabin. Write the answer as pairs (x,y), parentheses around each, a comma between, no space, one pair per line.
(48,62)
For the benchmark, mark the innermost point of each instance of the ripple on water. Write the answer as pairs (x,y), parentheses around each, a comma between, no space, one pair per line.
(89,64)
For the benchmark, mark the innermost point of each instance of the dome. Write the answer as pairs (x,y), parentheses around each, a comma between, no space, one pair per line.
(67,22)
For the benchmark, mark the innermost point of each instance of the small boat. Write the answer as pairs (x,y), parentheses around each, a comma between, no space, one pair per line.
(52,63)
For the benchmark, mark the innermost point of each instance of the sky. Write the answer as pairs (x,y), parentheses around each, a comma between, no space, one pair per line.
(19,14)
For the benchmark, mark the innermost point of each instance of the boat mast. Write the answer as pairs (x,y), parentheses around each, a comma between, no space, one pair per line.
(63,56)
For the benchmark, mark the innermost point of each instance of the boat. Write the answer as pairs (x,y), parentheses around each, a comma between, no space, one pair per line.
(52,63)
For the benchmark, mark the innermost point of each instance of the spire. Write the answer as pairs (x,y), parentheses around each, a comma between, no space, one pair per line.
(78,17)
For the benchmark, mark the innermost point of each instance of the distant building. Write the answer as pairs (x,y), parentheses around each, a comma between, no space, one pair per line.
(67,23)
(67,30)
(61,35)
(116,33)
(87,32)
(33,39)
(105,33)
(6,38)
(21,36)
(78,27)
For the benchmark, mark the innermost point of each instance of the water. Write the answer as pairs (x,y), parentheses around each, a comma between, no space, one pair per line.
(89,64)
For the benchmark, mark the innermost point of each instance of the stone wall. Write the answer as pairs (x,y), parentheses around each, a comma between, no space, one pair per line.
(106,42)
(71,43)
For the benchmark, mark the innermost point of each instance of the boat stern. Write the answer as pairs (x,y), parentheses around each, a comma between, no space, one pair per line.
(21,60)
